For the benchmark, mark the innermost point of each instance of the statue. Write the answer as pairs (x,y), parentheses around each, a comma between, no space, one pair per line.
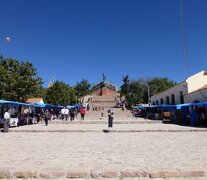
(104,78)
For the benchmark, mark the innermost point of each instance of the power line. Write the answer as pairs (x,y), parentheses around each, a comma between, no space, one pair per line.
(184,40)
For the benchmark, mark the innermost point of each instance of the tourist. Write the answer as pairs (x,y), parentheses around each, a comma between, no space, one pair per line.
(88,107)
(82,112)
(46,116)
(6,120)
(62,113)
(102,114)
(75,112)
(66,112)
(110,118)
(72,114)
(52,113)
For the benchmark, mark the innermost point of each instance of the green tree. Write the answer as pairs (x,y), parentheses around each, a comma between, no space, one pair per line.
(125,86)
(19,80)
(135,93)
(82,88)
(60,93)
(157,85)
(139,91)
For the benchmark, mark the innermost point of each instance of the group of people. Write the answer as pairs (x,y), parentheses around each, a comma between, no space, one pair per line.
(65,113)
(46,115)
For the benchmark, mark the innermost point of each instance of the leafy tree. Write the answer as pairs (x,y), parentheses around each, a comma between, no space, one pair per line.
(60,93)
(19,80)
(157,85)
(135,94)
(139,91)
(125,86)
(82,88)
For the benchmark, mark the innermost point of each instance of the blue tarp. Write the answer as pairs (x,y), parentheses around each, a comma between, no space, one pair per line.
(200,104)
(37,104)
(13,102)
(138,107)
(69,107)
(179,106)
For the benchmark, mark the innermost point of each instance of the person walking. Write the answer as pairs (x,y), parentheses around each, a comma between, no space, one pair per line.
(72,114)
(52,114)
(62,113)
(6,120)
(82,112)
(46,116)
(66,112)
(110,118)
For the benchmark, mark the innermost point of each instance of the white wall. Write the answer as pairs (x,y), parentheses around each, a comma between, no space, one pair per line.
(196,81)
(174,90)
(200,96)
(192,83)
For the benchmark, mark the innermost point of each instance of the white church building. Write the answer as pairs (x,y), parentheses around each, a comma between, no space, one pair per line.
(191,90)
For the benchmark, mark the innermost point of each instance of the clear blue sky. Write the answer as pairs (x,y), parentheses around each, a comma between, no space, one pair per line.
(76,39)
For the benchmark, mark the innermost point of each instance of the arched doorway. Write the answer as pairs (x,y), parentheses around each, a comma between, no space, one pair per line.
(167,100)
(172,99)
(181,97)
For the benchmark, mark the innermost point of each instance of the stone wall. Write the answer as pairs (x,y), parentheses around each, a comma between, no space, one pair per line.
(104,91)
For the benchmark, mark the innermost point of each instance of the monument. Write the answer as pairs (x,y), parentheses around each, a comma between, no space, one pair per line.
(103,94)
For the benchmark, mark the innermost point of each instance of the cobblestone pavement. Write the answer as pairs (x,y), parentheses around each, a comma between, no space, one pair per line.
(99,127)
(152,154)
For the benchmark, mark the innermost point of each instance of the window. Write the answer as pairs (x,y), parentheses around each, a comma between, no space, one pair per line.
(161,101)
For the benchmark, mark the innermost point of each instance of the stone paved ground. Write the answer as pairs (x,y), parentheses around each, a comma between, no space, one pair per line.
(99,127)
(89,152)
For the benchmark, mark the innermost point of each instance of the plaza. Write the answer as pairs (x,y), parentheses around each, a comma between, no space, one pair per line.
(134,148)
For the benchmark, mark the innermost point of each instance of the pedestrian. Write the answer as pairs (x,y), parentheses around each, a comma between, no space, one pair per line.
(102,114)
(75,113)
(72,114)
(52,114)
(6,120)
(46,116)
(66,112)
(110,118)
(83,112)
(62,113)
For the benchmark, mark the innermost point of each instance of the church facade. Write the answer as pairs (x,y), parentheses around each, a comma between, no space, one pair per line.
(103,94)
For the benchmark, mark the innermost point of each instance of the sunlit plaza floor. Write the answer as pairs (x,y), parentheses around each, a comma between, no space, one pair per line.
(141,147)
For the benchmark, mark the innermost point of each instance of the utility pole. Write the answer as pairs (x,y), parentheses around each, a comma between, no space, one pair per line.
(184,41)
(148,93)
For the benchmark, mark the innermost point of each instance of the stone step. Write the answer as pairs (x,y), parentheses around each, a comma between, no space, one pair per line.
(103,99)
(103,121)
(101,173)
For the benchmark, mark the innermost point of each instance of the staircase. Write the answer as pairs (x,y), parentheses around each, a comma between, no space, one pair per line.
(103,101)
(118,114)
(95,117)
